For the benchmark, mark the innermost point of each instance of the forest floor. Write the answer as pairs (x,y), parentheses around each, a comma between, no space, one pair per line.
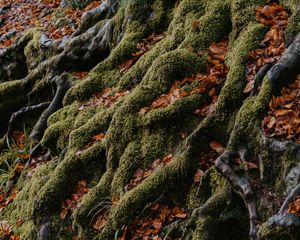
(282,121)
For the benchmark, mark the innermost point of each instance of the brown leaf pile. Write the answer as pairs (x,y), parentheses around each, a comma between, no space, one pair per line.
(272,46)
(142,48)
(141,174)
(107,97)
(207,159)
(283,118)
(100,221)
(74,17)
(17,16)
(100,218)
(6,231)
(19,142)
(200,83)
(68,205)
(80,75)
(294,207)
(148,227)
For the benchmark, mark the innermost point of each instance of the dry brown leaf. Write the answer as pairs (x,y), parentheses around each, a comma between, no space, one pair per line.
(197,177)
(217,146)
(196,24)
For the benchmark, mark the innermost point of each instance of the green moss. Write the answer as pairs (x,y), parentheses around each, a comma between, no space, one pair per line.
(23,205)
(33,52)
(100,194)
(107,73)
(278,232)
(12,98)
(293,27)
(243,12)
(174,112)
(213,25)
(60,124)
(232,95)
(133,141)
(219,211)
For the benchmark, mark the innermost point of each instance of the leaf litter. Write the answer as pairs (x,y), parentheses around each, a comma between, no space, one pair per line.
(200,83)
(16,16)
(272,46)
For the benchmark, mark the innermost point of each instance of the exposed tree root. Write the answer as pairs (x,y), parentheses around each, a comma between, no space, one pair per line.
(62,86)
(286,68)
(242,184)
(89,19)
(105,41)
(18,114)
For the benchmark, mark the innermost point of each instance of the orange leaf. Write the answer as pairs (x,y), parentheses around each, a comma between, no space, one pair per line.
(64,213)
(114,200)
(181,215)
(157,224)
(143,111)
(251,165)
(249,87)
(195,24)
(99,136)
(198,175)
(217,146)
(137,54)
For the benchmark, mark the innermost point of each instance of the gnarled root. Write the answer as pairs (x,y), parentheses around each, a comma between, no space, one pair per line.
(62,85)
(241,184)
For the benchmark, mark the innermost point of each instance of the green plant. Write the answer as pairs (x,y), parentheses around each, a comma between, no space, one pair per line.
(16,153)
(6,174)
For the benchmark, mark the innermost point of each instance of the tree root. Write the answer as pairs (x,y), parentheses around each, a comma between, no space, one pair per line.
(294,193)
(62,85)
(286,68)
(19,114)
(241,184)
(259,78)
(133,141)
(90,18)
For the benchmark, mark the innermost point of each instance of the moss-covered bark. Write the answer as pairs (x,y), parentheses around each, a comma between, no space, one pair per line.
(105,40)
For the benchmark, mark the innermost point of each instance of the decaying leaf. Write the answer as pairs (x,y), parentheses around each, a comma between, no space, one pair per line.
(283,118)
(217,146)
(155,219)
(272,46)
(141,174)
(199,83)
(68,205)
(294,207)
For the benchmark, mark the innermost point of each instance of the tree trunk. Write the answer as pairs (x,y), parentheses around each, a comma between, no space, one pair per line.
(135,134)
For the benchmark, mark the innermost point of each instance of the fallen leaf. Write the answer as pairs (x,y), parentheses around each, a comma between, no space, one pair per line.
(195,24)
(217,146)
